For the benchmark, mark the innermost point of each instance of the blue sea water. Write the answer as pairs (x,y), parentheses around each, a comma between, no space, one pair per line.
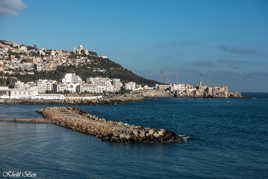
(229,140)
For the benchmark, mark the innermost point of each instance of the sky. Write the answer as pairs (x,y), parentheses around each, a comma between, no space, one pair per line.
(225,41)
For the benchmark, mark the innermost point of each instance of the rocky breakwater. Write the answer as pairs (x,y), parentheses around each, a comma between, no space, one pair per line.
(111,131)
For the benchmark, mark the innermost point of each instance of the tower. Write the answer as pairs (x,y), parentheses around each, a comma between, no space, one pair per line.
(167,78)
(200,82)
(161,76)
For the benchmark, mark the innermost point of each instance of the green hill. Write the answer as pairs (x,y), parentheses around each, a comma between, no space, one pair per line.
(112,70)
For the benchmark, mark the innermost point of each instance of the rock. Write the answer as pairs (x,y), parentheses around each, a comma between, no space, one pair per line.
(156,135)
(161,132)
(120,123)
(142,134)
(151,132)
(135,132)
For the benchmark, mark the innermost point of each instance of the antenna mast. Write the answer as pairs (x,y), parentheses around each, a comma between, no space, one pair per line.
(177,78)
(167,78)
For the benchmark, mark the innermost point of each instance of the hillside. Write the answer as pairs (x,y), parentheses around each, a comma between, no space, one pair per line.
(23,62)
(113,70)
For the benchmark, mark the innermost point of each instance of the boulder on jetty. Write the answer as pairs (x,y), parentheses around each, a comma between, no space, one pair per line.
(111,131)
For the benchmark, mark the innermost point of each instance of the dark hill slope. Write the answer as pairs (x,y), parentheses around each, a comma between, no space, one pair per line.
(107,68)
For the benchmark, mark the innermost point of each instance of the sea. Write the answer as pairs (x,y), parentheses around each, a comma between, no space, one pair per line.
(229,140)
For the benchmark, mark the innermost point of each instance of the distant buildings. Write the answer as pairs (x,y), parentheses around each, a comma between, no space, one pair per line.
(186,90)
(117,84)
(68,87)
(72,83)
(162,87)
(180,87)
(18,93)
(105,84)
(4,91)
(90,88)
(45,86)
(28,59)
(23,49)
(81,51)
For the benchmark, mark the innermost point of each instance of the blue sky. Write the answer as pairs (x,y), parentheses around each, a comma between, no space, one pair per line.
(227,40)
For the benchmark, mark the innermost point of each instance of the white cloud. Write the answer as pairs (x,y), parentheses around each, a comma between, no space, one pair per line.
(10,7)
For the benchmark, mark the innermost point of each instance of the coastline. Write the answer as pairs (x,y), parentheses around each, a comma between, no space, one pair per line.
(103,101)
(124,99)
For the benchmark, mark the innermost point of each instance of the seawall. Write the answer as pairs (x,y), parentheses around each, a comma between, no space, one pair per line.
(104,101)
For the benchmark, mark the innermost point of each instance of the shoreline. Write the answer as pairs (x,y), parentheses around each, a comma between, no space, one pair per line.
(104,101)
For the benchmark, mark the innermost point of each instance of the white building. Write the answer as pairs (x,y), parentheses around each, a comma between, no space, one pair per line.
(117,84)
(23,49)
(80,49)
(19,84)
(86,52)
(90,88)
(180,87)
(71,78)
(130,86)
(74,50)
(146,87)
(42,52)
(26,66)
(38,67)
(100,81)
(68,87)
(23,93)
(106,84)
(53,52)
(4,91)
(162,87)
(45,85)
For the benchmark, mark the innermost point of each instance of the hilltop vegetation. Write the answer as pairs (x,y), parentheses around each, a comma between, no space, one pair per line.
(113,70)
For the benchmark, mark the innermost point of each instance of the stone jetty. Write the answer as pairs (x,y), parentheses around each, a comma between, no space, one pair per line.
(111,131)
